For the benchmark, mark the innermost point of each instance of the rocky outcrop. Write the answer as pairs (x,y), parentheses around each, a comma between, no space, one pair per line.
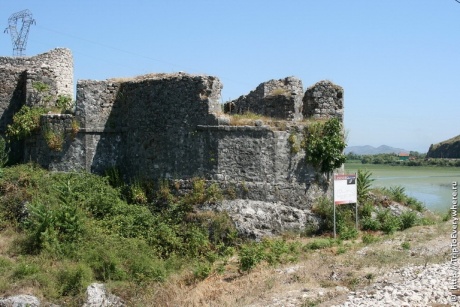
(258,219)
(20,301)
(96,296)
(446,149)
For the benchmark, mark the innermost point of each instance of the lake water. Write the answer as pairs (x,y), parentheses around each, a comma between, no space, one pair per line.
(430,185)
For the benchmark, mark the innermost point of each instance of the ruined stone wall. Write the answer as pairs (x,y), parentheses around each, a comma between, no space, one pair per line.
(323,100)
(146,126)
(257,163)
(275,98)
(167,127)
(171,126)
(58,146)
(18,74)
(12,93)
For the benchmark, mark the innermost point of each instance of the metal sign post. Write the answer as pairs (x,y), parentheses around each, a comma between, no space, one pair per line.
(345,192)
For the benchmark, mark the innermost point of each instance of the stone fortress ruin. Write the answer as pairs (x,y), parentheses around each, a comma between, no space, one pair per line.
(173,126)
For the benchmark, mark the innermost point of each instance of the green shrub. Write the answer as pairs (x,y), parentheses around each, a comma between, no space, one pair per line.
(319,244)
(323,207)
(408,219)
(143,268)
(202,270)
(324,144)
(201,194)
(365,210)
(250,256)
(25,122)
(294,143)
(405,245)
(24,269)
(347,232)
(368,223)
(64,103)
(54,229)
(398,193)
(389,222)
(415,204)
(54,139)
(4,154)
(113,176)
(276,251)
(369,238)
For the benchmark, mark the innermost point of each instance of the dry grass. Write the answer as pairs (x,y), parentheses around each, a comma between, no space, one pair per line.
(280,91)
(317,277)
(250,118)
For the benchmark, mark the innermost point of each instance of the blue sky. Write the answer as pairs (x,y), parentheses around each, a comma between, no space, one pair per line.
(398,61)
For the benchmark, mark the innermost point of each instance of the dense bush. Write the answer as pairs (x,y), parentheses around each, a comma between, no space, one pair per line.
(25,122)
(80,219)
(324,144)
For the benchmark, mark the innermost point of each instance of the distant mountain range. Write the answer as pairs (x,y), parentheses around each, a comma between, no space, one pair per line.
(370,150)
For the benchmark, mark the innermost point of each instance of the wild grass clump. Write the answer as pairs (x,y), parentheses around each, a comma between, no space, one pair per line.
(272,251)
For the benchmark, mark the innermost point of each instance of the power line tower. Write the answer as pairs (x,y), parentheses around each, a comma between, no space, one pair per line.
(19,39)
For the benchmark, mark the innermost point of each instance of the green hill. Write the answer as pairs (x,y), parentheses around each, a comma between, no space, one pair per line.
(446,149)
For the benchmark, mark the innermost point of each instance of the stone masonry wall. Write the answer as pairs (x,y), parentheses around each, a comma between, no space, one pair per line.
(323,100)
(18,75)
(12,94)
(53,68)
(146,126)
(171,126)
(275,98)
(167,126)
(58,146)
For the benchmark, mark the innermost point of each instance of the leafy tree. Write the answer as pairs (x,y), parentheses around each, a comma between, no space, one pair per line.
(324,144)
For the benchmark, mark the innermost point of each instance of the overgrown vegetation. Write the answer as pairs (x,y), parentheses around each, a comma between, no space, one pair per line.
(374,213)
(25,122)
(88,231)
(324,144)
(71,229)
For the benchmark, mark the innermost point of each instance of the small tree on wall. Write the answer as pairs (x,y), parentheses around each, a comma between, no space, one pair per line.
(324,143)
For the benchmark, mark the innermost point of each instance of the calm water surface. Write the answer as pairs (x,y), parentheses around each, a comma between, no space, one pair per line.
(430,185)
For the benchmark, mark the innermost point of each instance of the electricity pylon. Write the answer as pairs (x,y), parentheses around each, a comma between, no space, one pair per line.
(19,38)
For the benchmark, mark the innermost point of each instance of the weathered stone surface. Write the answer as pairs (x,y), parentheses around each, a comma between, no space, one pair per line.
(275,98)
(258,219)
(323,100)
(22,300)
(18,74)
(171,126)
(17,78)
(98,296)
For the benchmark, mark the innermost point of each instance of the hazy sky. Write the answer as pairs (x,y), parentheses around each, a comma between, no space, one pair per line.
(397,60)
